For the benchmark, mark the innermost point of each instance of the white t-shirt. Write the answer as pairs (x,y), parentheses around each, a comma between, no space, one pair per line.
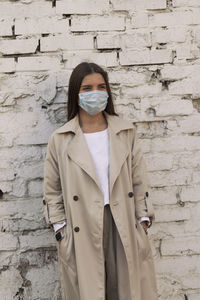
(98,144)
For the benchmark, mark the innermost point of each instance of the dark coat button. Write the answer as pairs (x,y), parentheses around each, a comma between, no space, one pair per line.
(75,198)
(130,194)
(135,225)
(44,201)
(147,194)
(76,229)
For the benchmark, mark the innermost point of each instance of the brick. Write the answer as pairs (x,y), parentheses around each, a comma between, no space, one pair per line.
(31,170)
(175,144)
(103,59)
(170,72)
(196,177)
(159,162)
(126,5)
(164,196)
(183,87)
(193,295)
(37,136)
(190,125)
(6,27)
(186,3)
(108,41)
(172,214)
(131,78)
(42,238)
(185,268)
(182,246)
(189,160)
(8,242)
(145,57)
(10,281)
(176,34)
(66,42)
(141,91)
(42,277)
(38,63)
(33,9)
(139,20)
(46,89)
(174,107)
(19,188)
(6,187)
(22,209)
(62,78)
(7,65)
(196,34)
(6,174)
(184,51)
(171,178)
(6,140)
(172,19)
(138,40)
(82,7)
(43,25)
(18,46)
(97,23)
(138,4)
(156,4)
(21,154)
(35,188)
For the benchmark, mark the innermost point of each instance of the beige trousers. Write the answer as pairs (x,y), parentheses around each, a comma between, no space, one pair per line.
(116,270)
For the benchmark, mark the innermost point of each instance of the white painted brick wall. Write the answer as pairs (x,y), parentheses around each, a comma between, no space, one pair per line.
(145,57)
(150,49)
(82,7)
(42,25)
(6,27)
(67,42)
(97,23)
(18,46)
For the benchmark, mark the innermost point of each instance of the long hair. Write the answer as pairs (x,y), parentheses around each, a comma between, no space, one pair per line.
(76,78)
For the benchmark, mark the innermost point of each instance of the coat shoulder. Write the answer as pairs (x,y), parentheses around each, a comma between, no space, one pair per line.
(120,124)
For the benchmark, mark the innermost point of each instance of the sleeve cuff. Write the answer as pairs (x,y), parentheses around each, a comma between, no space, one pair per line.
(146,219)
(57,226)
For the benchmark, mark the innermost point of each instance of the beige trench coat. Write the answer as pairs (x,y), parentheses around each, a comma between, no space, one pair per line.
(72,193)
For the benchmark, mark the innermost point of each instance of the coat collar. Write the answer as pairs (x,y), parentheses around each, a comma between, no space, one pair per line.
(117,124)
(78,150)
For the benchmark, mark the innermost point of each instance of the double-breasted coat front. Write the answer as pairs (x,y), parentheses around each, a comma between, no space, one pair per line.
(72,193)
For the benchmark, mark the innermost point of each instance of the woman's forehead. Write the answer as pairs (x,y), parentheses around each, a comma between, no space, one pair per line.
(93,78)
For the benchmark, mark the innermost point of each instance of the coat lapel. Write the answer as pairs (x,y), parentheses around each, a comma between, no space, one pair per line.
(119,148)
(78,151)
(118,154)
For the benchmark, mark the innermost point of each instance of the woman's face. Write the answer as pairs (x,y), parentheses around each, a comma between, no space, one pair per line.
(91,82)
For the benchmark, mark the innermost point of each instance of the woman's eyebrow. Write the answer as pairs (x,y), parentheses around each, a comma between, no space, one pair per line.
(85,85)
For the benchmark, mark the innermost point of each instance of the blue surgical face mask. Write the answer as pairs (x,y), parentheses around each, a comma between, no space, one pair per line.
(93,102)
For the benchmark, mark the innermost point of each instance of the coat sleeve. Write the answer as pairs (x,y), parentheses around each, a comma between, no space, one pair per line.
(52,197)
(143,204)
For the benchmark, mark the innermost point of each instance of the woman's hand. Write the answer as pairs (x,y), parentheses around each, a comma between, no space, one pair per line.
(60,230)
(145,226)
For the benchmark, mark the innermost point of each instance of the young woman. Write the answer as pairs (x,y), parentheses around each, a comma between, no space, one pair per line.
(96,197)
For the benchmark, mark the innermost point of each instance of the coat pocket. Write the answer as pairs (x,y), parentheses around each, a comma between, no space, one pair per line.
(66,251)
(144,247)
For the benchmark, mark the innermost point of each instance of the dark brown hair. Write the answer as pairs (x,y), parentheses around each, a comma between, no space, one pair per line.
(76,78)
